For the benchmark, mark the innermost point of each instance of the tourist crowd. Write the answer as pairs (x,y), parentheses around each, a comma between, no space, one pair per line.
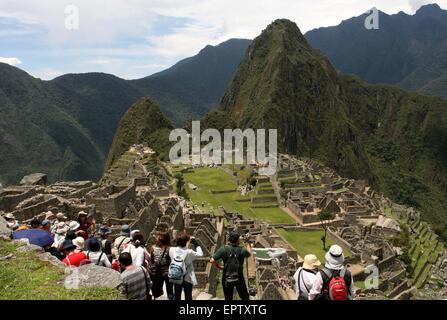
(146,271)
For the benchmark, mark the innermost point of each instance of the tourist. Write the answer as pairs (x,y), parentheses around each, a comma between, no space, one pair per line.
(35,223)
(72,258)
(96,255)
(106,245)
(46,225)
(305,276)
(84,225)
(181,269)
(160,266)
(11,221)
(334,281)
(136,283)
(122,241)
(137,250)
(59,234)
(60,218)
(233,257)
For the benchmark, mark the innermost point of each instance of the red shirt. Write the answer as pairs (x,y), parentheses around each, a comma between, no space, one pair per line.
(75,259)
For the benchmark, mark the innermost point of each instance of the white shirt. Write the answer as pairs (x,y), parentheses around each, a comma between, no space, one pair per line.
(137,254)
(191,255)
(318,285)
(304,283)
(94,256)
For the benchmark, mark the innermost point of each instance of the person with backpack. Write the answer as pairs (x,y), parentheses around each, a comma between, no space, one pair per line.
(122,241)
(72,258)
(96,255)
(305,276)
(233,257)
(334,281)
(159,269)
(136,282)
(106,245)
(181,270)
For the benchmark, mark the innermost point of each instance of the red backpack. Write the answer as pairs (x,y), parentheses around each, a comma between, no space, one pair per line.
(335,283)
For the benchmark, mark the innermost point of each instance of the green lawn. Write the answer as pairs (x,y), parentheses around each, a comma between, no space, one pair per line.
(306,242)
(25,277)
(207,179)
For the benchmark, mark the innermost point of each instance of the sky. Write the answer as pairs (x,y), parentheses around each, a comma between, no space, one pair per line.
(135,38)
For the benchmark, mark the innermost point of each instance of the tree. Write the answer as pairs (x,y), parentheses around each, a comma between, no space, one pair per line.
(325,216)
(180,186)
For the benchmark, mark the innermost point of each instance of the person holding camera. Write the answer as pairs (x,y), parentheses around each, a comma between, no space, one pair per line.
(233,257)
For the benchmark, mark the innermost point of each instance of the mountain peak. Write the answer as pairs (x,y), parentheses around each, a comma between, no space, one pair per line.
(429,9)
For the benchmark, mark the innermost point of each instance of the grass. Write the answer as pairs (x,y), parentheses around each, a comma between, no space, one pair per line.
(25,277)
(207,179)
(306,242)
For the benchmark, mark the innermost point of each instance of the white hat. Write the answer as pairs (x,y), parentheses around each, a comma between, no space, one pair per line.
(62,228)
(334,258)
(82,213)
(73,225)
(79,243)
(10,216)
(311,262)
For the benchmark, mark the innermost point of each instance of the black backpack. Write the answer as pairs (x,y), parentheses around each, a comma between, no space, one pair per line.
(232,264)
(160,265)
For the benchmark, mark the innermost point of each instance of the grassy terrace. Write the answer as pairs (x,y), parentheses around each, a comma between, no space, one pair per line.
(207,179)
(306,242)
(25,277)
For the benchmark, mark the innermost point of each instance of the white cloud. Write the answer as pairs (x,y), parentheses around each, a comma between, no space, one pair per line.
(122,29)
(13,61)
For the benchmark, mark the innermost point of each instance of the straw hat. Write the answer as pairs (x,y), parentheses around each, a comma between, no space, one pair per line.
(334,258)
(311,262)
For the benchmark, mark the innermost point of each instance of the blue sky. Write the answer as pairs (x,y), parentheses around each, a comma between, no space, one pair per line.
(135,38)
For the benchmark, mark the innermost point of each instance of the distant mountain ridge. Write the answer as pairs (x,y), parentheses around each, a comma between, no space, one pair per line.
(407,50)
(65,126)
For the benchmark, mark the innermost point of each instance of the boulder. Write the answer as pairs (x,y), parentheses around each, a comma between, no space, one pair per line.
(30,247)
(34,179)
(91,275)
(4,230)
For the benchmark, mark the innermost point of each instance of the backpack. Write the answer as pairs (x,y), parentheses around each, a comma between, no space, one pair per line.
(336,283)
(232,264)
(160,262)
(177,268)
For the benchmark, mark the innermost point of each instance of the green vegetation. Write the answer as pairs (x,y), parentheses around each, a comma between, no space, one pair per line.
(142,123)
(25,277)
(306,242)
(325,216)
(216,179)
(394,139)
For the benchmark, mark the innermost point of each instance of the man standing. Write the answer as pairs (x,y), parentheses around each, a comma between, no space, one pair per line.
(233,257)
(136,281)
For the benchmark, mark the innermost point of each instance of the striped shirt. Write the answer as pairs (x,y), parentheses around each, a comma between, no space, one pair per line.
(135,284)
